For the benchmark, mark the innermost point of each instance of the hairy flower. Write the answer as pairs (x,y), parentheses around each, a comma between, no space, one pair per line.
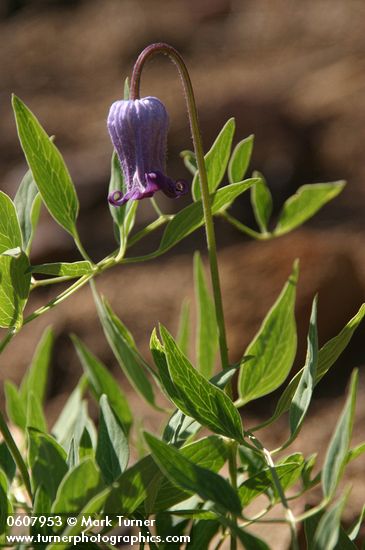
(138,129)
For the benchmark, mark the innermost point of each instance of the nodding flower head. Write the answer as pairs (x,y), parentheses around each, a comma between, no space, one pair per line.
(138,129)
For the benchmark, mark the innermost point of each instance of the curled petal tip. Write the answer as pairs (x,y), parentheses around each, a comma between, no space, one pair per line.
(116,198)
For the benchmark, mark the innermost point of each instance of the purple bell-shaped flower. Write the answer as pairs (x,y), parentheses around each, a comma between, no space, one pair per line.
(138,129)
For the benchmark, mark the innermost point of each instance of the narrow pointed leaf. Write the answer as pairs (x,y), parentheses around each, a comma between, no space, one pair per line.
(10,233)
(132,487)
(327,533)
(112,451)
(191,217)
(5,505)
(197,397)
(28,202)
(7,463)
(210,452)
(47,461)
(336,457)
(305,203)
(78,487)
(192,478)
(327,357)
(48,168)
(64,426)
(15,281)
(273,349)
(180,427)
(261,201)
(240,159)
(15,406)
(124,349)
(102,382)
(64,269)
(355,529)
(207,332)
(35,415)
(123,216)
(35,379)
(303,395)
(216,160)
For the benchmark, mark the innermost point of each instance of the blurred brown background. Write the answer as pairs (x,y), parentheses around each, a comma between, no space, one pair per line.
(291,72)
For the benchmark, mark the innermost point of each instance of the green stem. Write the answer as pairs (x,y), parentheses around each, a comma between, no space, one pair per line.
(174,55)
(288,513)
(8,438)
(81,248)
(244,229)
(232,464)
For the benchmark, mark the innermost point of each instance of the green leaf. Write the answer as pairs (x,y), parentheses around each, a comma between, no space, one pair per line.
(216,160)
(192,217)
(7,463)
(64,426)
(10,233)
(327,533)
(14,280)
(35,415)
(5,505)
(123,216)
(262,482)
(48,168)
(183,333)
(305,203)
(202,533)
(240,159)
(261,201)
(112,451)
(327,357)
(209,452)
(102,382)
(132,487)
(197,397)
(310,526)
(303,395)
(355,452)
(28,203)
(336,457)
(273,349)
(14,289)
(207,332)
(64,269)
(192,478)
(47,461)
(354,531)
(35,380)
(189,161)
(180,427)
(78,487)
(15,406)
(250,542)
(124,349)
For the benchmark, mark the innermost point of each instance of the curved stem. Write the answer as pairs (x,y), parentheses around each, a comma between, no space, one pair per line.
(8,438)
(174,55)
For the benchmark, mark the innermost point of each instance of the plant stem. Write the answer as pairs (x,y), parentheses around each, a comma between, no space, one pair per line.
(288,513)
(232,464)
(81,248)
(8,438)
(244,229)
(174,55)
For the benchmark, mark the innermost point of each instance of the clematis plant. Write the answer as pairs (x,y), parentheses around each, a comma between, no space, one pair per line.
(187,488)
